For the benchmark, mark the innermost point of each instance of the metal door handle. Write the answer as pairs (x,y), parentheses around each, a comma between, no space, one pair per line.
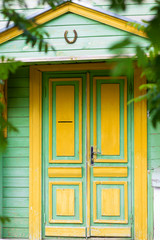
(92,155)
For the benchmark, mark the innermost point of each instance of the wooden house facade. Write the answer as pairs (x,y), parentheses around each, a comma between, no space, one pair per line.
(80,165)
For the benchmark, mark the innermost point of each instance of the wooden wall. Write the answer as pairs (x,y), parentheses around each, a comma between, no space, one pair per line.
(16,158)
(94,40)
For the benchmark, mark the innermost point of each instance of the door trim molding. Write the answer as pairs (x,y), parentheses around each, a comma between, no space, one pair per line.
(35,136)
(140,159)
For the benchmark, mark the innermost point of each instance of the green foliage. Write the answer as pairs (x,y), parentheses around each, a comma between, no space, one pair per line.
(4,219)
(148,58)
(7,66)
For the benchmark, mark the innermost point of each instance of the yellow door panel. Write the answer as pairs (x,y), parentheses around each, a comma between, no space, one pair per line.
(65,121)
(110,202)
(65,231)
(110,171)
(66,172)
(65,202)
(110,119)
(111,231)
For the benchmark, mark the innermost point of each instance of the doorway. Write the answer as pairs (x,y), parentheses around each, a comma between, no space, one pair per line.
(87,155)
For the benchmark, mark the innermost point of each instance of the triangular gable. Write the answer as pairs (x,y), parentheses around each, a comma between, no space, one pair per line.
(104,17)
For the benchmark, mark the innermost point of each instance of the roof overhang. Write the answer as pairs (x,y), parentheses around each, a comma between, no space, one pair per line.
(87,11)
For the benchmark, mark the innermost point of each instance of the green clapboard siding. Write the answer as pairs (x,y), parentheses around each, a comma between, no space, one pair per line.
(16,158)
(153,162)
(94,39)
(153,146)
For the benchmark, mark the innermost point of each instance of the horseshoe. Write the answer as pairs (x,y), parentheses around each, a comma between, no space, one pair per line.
(75,37)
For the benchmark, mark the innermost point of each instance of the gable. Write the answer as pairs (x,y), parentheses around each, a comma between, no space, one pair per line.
(94,40)
(90,12)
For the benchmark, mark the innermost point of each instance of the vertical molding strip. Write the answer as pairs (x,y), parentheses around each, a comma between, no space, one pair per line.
(140,159)
(88,155)
(35,142)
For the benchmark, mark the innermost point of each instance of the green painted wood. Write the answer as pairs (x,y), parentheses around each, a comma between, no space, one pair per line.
(19,122)
(89,42)
(129,164)
(20,222)
(155,140)
(15,202)
(18,92)
(16,157)
(19,82)
(150,207)
(20,73)
(85,31)
(18,102)
(60,44)
(16,162)
(17,152)
(18,142)
(16,172)
(15,192)
(15,182)
(16,212)
(45,207)
(21,132)
(18,112)
(155,153)
(15,233)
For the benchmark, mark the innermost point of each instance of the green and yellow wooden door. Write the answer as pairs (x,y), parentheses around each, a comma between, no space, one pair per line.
(86,179)
(110,179)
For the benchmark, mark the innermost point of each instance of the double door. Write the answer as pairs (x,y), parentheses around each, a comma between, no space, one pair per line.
(87,156)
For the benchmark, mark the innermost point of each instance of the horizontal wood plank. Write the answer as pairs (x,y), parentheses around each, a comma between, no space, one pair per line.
(16,212)
(15,182)
(16,162)
(16,172)
(15,233)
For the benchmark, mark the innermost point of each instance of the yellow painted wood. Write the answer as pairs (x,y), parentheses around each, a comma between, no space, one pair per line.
(74,67)
(88,158)
(35,150)
(110,171)
(74,172)
(110,119)
(64,114)
(108,116)
(95,183)
(51,220)
(35,141)
(140,159)
(50,121)
(65,231)
(110,202)
(76,9)
(111,232)
(65,202)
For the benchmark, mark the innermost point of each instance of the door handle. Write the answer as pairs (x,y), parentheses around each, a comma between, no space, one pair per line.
(92,155)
